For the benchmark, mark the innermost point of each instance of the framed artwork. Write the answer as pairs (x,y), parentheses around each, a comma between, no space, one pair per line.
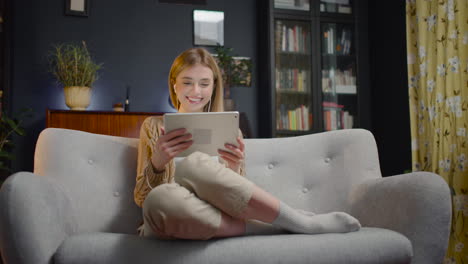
(77,7)
(208,27)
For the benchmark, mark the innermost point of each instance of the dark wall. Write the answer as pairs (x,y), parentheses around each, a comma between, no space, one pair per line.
(389,85)
(137,42)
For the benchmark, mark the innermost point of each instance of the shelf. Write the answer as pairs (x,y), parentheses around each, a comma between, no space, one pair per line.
(290,92)
(338,56)
(330,8)
(329,94)
(292,53)
(303,5)
(291,11)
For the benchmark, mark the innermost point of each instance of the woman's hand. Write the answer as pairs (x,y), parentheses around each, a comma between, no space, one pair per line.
(235,157)
(169,145)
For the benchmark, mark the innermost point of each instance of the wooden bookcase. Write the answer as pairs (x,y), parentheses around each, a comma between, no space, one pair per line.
(317,75)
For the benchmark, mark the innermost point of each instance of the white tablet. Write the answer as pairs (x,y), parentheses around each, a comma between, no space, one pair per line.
(210,130)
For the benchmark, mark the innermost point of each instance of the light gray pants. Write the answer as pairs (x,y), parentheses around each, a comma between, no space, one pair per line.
(190,208)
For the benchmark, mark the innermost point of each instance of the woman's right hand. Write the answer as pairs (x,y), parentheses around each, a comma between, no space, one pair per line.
(169,145)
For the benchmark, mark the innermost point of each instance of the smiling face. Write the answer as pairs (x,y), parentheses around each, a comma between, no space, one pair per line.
(194,87)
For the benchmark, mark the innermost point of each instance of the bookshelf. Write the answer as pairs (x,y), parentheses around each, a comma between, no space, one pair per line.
(316,78)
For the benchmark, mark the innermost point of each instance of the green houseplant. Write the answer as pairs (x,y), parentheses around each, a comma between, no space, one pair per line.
(9,126)
(236,71)
(74,68)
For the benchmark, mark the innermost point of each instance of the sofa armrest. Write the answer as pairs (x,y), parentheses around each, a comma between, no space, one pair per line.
(35,217)
(417,205)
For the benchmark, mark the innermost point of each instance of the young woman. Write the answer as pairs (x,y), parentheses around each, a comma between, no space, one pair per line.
(199,197)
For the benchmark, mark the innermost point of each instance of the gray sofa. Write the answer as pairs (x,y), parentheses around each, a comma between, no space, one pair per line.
(77,206)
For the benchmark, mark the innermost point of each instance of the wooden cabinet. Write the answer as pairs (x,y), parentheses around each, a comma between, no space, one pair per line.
(123,124)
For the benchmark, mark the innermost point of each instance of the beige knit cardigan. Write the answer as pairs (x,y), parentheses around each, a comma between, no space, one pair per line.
(147,178)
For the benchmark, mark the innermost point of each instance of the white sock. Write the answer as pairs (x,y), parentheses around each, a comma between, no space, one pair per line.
(255,227)
(299,221)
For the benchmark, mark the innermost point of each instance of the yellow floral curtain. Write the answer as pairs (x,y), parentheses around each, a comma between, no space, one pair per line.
(437,47)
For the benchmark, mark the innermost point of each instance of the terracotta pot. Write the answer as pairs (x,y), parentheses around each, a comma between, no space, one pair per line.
(77,97)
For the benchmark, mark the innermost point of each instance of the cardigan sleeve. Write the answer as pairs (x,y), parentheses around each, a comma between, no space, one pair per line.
(147,178)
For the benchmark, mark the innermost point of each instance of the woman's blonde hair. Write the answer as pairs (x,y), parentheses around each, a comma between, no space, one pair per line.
(188,59)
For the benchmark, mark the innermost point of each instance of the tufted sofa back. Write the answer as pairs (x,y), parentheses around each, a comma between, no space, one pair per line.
(97,172)
(314,172)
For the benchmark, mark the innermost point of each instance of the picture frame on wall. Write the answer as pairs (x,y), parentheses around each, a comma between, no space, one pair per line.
(77,8)
(208,27)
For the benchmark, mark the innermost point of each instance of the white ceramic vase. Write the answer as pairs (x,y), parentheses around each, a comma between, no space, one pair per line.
(77,97)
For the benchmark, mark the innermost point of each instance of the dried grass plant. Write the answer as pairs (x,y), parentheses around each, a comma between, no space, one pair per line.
(72,65)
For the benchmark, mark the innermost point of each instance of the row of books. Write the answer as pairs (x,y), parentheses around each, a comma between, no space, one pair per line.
(292,38)
(294,119)
(334,117)
(292,80)
(338,81)
(293,4)
(335,8)
(336,42)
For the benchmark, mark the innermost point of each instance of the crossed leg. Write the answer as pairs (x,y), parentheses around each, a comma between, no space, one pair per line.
(172,211)
(240,200)
(210,200)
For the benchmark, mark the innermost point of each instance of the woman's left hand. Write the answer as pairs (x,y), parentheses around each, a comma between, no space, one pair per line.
(235,156)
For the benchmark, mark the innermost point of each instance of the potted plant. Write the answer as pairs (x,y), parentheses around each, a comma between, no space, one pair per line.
(236,71)
(76,71)
(9,126)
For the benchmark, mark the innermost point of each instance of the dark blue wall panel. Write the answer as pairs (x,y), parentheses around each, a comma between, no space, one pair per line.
(137,42)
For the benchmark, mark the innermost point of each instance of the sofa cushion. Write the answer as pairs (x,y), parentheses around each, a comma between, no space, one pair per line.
(369,245)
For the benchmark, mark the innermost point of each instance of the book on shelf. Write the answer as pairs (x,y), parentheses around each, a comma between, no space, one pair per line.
(329,40)
(344,2)
(345,89)
(284,3)
(292,80)
(279,35)
(340,6)
(345,42)
(328,80)
(293,4)
(347,120)
(338,81)
(344,9)
(291,38)
(293,118)
(337,42)
(334,117)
